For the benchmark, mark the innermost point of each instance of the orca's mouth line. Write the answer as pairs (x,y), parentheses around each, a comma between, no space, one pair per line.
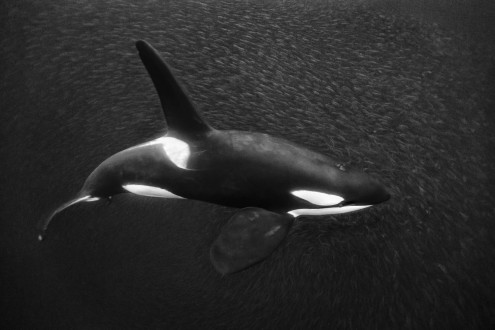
(336,209)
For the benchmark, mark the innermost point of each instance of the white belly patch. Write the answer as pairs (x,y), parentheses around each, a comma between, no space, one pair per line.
(327,210)
(149,191)
(318,198)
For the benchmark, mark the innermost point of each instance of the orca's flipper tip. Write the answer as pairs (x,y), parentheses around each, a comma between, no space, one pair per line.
(43,224)
(250,236)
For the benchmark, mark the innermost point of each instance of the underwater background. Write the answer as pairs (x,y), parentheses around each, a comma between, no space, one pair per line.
(402,90)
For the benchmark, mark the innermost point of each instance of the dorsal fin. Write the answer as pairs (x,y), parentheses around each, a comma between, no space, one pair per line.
(182,117)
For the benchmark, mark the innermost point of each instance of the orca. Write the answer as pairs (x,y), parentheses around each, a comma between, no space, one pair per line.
(272,181)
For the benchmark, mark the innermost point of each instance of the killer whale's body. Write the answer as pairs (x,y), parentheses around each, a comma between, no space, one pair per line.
(272,179)
(231,168)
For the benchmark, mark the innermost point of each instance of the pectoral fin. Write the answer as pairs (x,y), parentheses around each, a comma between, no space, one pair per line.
(250,236)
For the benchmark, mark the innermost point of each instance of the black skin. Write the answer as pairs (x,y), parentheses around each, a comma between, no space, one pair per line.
(236,169)
(231,168)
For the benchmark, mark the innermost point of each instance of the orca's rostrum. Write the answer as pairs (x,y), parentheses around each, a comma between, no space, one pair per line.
(271,179)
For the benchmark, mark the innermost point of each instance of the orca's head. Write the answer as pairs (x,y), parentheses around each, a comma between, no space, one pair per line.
(362,189)
(343,192)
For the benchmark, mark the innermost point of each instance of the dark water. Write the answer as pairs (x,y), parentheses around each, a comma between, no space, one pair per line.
(401,90)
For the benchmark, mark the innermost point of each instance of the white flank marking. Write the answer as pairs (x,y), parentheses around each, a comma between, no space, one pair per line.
(327,210)
(318,198)
(82,199)
(149,191)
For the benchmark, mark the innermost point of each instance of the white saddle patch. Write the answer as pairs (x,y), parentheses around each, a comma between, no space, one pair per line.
(327,210)
(176,150)
(149,191)
(317,198)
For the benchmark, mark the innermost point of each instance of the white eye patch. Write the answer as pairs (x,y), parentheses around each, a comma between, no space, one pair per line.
(149,191)
(317,198)
(327,210)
